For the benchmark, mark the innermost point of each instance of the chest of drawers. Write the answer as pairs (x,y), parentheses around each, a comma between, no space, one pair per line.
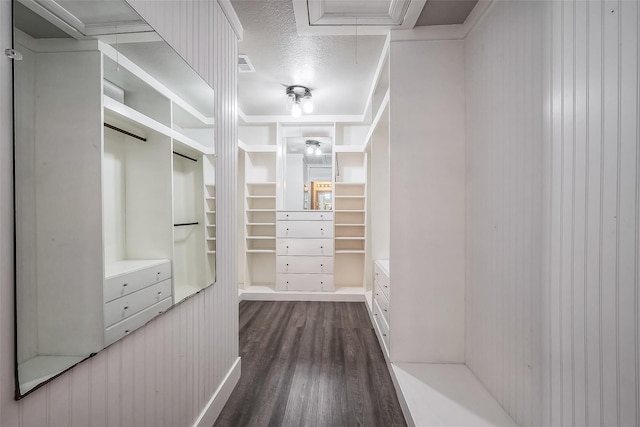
(304,251)
(381,298)
(135,291)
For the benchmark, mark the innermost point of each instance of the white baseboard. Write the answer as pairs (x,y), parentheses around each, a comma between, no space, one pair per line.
(210,413)
(267,293)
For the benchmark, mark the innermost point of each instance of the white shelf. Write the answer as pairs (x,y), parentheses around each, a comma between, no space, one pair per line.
(349,197)
(261,210)
(260,223)
(261,184)
(261,197)
(261,238)
(261,251)
(349,210)
(348,251)
(350,238)
(358,184)
(349,225)
(40,368)
(211,239)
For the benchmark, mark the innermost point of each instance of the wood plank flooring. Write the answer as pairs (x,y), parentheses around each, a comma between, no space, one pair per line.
(310,364)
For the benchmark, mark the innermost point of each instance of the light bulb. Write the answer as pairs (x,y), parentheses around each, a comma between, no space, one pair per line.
(296,111)
(307,104)
(309,149)
(291,100)
(318,152)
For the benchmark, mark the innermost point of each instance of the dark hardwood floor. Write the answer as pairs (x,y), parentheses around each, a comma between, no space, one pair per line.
(310,364)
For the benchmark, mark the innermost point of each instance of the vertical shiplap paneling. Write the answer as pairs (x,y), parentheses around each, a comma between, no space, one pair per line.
(504,80)
(564,247)
(164,373)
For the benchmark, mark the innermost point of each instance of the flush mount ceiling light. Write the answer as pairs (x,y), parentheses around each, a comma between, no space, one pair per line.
(299,100)
(312,147)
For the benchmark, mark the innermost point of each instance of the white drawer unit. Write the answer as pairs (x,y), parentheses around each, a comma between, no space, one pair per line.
(304,251)
(304,264)
(124,327)
(382,325)
(381,298)
(305,229)
(128,305)
(136,277)
(305,247)
(305,216)
(304,282)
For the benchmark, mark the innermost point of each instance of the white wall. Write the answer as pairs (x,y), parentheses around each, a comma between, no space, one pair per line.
(427,183)
(503,59)
(553,210)
(165,373)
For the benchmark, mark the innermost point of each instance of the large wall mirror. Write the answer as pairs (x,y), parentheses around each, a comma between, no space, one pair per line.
(114,181)
(308,173)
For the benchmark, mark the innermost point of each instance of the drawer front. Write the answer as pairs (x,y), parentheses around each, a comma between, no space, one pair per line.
(383,327)
(305,216)
(309,247)
(121,308)
(125,284)
(305,229)
(123,328)
(382,301)
(304,282)
(382,280)
(304,264)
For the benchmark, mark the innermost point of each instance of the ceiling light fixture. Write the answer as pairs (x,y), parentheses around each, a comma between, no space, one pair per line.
(299,100)
(313,147)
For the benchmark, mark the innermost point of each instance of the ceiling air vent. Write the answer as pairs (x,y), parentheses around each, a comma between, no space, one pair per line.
(245,65)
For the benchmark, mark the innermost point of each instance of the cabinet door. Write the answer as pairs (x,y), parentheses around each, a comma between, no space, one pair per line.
(304,264)
(308,247)
(305,229)
(121,308)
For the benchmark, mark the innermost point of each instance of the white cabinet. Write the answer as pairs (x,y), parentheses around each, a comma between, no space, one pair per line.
(381,298)
(304,251)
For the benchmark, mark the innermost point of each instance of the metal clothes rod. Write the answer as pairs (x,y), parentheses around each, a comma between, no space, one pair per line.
(185,223)
(125,132)
(186,157)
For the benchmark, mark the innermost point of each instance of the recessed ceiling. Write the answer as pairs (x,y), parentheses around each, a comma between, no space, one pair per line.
(445,12)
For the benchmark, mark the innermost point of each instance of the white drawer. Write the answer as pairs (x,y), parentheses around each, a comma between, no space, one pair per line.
(304,264)
(304,216)
(308,247)
(382,280)
(304,282)
(383,302)
(120,329)
(382,325)
(121,308)
(304,229)
(124,284)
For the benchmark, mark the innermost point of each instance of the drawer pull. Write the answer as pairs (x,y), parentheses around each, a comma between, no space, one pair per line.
(375,314)
(385,310)
(386,286)
(126,332)
(377,294)
(384,335)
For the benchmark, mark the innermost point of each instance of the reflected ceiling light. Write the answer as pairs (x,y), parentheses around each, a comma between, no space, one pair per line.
(313,147)
(299,100)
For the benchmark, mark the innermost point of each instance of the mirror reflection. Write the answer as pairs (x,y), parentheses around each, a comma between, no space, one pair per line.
(308,172)
(114,181)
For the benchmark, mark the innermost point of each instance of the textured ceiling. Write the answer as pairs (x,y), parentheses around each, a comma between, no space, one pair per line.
(338,69)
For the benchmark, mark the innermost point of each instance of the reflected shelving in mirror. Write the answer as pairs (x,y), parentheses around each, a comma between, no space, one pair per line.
(138,169)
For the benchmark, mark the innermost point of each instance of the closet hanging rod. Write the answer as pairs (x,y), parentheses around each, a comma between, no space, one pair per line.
(185,223)
(125,132)
(186,157)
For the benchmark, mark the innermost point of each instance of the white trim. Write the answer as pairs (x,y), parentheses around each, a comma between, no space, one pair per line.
(212,409)
(285,119)
(376,119)
(232,17)
(50,16)
(376,75)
